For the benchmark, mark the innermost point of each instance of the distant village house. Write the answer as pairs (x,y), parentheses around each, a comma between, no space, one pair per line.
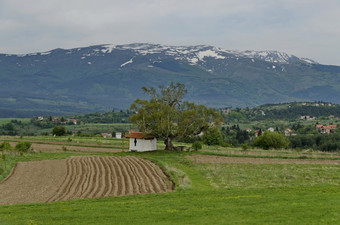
(289,132)
(306,117)
(326,129)
(106,135)
(118,135)
(271,129)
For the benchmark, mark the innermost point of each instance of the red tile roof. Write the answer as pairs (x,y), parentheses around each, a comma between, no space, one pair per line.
(138,135)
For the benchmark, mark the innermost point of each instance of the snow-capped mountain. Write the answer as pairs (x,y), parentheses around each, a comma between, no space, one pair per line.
(192,54)
(195,54)
(109,76)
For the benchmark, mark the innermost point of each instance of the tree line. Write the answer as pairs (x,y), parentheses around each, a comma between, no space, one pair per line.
(284,111)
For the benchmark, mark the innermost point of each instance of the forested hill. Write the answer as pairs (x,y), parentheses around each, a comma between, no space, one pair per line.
(295,110)
(105,77)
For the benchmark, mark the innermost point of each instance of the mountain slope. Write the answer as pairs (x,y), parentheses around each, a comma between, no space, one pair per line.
(105,77)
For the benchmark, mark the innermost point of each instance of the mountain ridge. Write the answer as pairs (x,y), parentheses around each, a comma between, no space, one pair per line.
(200,51)
(103,77)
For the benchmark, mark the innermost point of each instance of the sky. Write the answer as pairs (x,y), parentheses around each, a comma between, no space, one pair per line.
(304,28)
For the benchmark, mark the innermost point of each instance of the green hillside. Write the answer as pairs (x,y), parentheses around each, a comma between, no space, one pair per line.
(91,79)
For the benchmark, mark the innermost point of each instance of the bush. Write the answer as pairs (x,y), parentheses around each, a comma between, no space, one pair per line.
(59,131)
(212,137)
(5,146)
(269,140)
(196,145)
(226,144)
(23,146)
(330,146)
(245,147)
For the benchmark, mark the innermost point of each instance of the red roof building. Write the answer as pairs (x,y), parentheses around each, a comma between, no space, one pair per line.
(139,142)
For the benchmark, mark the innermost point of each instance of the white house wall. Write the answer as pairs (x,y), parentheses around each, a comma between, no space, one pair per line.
(149,145)
(142,145)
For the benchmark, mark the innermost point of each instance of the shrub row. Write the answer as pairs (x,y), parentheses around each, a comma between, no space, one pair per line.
(23,146)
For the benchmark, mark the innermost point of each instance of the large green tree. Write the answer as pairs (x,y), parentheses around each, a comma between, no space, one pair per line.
(166,116)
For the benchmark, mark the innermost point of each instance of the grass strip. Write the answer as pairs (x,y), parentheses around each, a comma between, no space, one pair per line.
(265,156)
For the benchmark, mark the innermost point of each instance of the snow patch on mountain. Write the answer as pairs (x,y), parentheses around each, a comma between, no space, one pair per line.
(308,61)
(270,56)
(128,62)
(108,48)
(45,53)
(209,53)
(192,61)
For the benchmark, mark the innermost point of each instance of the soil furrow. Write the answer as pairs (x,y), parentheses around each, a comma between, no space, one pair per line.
(127,179)
(86,175)
(102,174)
(133,175)
(114,177)
(71,181)
(96,179)
(158,182)
(143,180)
(137,174)
(121,182)
(80,178)
(151,183)
(76,177)
(108,177)
(61,191)
(92,178)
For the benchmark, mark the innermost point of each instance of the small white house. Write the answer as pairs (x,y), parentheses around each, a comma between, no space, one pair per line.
(118,135)
(271,129)
(139,143)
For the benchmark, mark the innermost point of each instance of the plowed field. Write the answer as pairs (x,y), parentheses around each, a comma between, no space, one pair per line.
(81,177)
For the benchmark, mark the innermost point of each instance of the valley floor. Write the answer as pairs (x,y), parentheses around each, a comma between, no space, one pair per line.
(210,188)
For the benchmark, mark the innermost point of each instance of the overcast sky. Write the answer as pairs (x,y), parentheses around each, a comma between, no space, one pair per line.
(305,28)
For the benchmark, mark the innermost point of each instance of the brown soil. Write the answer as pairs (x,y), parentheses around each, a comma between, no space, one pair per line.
(238,160)
(81,177)
(53,142)
(58,148)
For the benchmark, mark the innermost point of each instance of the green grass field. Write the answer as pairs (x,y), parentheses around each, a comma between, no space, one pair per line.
(204,194)
(7,120)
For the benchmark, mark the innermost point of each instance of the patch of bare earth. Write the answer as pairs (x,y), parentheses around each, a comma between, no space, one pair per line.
(238,160)
(58,148)
(82,177)
(49,147)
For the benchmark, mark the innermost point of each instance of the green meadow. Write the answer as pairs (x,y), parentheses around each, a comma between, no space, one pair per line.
(204,194)
(7,120)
